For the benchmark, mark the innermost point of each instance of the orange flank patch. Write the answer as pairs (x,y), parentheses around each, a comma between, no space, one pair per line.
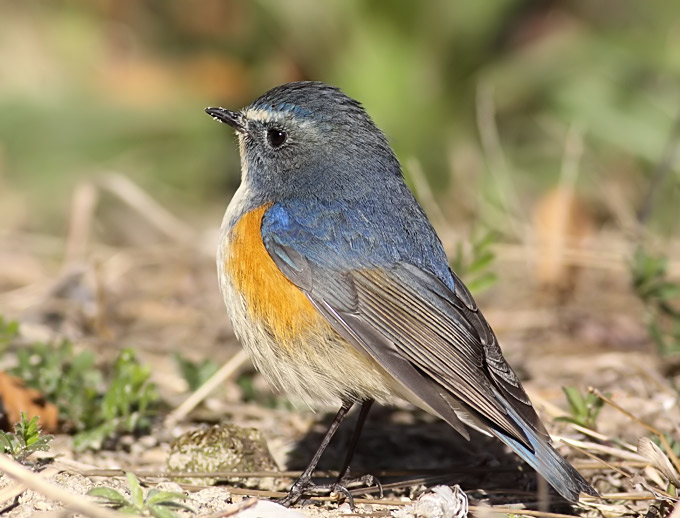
(270,297)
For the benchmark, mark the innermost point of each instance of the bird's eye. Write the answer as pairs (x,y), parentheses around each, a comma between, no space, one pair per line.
(276,137)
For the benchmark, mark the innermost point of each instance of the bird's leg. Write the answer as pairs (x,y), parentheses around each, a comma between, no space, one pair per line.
(305,480)
(363,414)
(345,478)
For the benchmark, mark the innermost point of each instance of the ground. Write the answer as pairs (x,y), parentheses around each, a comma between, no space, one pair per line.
(162,298)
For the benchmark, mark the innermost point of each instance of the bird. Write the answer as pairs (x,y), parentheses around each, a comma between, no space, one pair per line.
(340,291)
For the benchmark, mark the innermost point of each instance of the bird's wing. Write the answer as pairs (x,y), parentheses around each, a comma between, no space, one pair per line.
(417,328)
(425,331)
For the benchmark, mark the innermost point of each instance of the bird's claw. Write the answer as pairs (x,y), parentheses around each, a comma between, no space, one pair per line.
(340,487)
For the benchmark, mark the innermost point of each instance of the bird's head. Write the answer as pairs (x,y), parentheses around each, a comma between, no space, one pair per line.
(307,135)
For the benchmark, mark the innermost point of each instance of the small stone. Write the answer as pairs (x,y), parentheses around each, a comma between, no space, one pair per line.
(345,508)
(440,502)
(221,448)
(148,441)
(41,505)
(214,498)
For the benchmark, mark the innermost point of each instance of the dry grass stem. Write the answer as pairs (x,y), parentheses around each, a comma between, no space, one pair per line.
(220,377)
(36,483)
(651,429)
(144,204)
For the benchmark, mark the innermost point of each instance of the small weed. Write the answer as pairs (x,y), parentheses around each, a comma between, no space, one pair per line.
(160,504)
(661,298)
(474,267)
(8,332)
(26,439)
(68,379)
(93,407)
(583,409)
(126,406)
(195,373)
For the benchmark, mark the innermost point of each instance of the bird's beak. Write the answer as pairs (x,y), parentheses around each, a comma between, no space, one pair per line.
(234,119)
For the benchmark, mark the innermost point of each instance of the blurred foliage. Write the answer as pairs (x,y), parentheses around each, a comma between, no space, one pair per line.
(583,408)
(99,85)
(474,268)
(661,298)
(26,439)
(262,396)
(97,408)
(68,379)
(8,332)
(195,373)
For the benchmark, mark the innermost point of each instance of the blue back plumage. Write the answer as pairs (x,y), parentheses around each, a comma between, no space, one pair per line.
(344,235)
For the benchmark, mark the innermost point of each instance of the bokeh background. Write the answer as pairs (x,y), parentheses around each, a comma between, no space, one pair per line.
(118,85)
(542,138)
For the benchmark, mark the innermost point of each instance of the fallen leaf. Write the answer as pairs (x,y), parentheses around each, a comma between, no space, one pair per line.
(16,397)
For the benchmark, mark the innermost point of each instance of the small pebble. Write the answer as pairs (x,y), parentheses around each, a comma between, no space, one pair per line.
(345,508)
(43,506)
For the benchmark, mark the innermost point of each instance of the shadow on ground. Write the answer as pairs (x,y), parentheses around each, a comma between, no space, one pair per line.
(412,445)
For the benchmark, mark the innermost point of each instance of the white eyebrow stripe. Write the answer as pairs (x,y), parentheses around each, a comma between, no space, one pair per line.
(263,115)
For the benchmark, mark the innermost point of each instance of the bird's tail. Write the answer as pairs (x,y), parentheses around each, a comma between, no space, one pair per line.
(550,465)
(545,460)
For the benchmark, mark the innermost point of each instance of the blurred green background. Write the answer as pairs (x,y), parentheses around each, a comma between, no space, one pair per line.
(480,96)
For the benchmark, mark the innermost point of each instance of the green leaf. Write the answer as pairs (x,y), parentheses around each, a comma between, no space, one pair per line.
(482,283)
(576,402)
(156,497)
(130,509)
(158,511)
(111,496)
(135,490)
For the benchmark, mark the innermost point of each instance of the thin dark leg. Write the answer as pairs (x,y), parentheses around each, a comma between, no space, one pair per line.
(365,408)
(305,479)
(345,477)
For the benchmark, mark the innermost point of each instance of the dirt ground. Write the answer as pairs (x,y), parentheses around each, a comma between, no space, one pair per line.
(162,298)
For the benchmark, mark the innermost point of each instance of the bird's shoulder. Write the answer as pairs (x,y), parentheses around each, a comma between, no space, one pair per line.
(350,234)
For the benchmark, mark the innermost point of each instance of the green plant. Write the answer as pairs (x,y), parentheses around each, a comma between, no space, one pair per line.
(26,439)
(584,409)
(68,379)
(473,267)
(195,373)
(8,331)
(661,298)
(95,408)
(126,406)
(160,504)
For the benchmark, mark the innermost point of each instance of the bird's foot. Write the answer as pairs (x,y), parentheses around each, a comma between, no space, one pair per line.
(340,487)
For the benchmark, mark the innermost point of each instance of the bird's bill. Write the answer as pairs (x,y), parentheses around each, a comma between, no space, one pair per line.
(233,119)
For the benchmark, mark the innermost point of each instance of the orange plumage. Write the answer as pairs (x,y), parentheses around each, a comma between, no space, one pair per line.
(269,296)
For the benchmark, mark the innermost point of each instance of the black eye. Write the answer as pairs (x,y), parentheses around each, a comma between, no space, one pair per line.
(276,137)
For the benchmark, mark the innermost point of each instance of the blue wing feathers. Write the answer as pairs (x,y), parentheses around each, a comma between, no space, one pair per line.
(330,235)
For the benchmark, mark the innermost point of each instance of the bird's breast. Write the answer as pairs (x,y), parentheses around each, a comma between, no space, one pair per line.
(289,341)
(269,297)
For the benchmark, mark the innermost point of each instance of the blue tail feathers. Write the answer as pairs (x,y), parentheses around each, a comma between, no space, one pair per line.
(546,461)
